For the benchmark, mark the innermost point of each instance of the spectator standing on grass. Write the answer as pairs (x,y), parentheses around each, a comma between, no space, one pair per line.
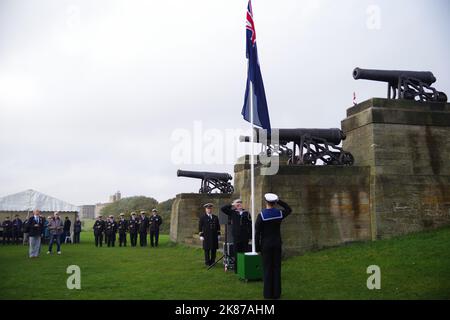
(17,229)
(35,228)
(76,230)
(7,231)
(46,233)
(66,233)
(55,227)
(25,229)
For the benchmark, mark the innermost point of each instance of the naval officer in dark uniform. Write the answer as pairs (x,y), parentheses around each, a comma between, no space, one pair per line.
(99,228)
(241,227)
(268,242)
(122,227)
(143,227)
(209,232)
(155,222)
(133,226)
(110,231)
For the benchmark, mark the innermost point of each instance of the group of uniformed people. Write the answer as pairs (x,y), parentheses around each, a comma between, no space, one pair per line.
(106,230)
(12,230)
(267,237)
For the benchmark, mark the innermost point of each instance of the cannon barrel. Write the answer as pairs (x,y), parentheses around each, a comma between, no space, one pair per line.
(393,76)
(204,175)
(334,135)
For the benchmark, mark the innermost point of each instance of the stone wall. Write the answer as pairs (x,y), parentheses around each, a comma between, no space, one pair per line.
(407,146)
(330,204)
(186,210)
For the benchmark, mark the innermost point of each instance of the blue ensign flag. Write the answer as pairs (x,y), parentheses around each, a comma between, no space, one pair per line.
(254,77)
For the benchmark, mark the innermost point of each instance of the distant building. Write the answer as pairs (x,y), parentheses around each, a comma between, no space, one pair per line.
(113,198)
(87,211)
(99,207)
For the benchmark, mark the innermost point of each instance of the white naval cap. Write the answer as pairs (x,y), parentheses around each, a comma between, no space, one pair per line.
(271,197)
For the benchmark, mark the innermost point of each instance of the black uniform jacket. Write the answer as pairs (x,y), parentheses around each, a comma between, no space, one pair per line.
(7,226)
(99,227)
(155,222)
(111,227)
(17,225)
(133,225)
(77,227)
(267,233)
(35,228)
(209,228)
(241,224)
(67,224)
(143,225)
(122,226)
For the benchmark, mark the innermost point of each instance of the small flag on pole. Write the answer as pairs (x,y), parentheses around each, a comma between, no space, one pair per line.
(254,79)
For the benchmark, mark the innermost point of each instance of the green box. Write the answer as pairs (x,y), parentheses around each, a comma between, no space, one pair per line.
(249,266)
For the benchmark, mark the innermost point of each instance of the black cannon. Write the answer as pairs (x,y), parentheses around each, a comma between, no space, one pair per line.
(211,181)
(308,145)
(408,85)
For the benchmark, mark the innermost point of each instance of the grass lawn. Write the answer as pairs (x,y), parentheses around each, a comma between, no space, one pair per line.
(416,266)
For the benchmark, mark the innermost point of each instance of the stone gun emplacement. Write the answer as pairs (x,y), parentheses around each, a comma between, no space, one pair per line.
(408,85)
(211,181)
(311,144)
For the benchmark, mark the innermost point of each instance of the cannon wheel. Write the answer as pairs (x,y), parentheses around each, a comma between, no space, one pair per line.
(296,160)
(289,153)
(333,162)
(441,97)
(346,158)
(334,159)
(309,158)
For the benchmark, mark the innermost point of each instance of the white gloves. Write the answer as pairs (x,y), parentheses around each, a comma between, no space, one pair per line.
(218,238)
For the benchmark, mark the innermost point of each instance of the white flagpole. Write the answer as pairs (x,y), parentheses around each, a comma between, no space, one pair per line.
(252,169)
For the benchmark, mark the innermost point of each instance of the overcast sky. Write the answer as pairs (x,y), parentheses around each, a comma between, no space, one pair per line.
(95,95)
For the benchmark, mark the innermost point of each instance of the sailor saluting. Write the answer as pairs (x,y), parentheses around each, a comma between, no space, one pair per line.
(268,242)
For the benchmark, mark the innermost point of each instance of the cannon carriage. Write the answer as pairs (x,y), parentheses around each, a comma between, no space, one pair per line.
(211,181)
(308,145)
(408,85)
